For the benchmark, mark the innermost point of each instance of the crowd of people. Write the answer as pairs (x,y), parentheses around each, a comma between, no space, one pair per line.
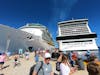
(66,64)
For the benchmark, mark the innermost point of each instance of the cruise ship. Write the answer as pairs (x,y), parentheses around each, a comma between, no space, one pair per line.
(75,35)
(42,40)
(32,36)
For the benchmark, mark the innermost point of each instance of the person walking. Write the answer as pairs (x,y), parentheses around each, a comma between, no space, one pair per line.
(27,54)
(36,57)
(2,59)
(16,59)
(59,62)
(46,67)
(92,67)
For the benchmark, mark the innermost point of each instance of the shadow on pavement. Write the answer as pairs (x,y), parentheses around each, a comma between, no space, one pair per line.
(4,68)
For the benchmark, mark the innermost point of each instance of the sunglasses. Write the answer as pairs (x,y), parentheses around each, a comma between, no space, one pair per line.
(48,58)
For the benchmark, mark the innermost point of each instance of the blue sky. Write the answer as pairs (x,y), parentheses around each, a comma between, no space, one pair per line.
(16,13)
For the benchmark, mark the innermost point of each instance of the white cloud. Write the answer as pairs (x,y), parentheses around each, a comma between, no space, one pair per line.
(62,8)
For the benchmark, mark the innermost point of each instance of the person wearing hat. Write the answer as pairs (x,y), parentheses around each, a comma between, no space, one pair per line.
(46,67)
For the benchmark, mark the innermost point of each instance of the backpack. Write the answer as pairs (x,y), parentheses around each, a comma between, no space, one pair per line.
(32,68)
(58,66)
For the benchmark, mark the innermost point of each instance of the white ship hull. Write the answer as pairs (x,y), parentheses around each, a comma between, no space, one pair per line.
(11,40)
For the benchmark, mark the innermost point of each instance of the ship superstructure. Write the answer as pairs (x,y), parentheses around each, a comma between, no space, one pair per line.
(75,35)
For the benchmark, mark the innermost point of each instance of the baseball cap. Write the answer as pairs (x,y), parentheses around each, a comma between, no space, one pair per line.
(47,55)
